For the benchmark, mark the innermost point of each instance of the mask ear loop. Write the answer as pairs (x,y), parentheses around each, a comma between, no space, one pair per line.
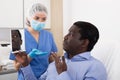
(27,22)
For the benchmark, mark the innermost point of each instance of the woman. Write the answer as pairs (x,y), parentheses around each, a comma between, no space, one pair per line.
(37,38)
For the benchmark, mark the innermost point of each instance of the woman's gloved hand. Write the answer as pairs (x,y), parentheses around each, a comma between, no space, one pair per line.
(35,52)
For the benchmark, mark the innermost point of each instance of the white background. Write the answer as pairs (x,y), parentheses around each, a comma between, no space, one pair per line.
(11,13)
(105,14)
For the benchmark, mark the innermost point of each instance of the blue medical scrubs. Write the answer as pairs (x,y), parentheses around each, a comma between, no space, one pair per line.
(46,44)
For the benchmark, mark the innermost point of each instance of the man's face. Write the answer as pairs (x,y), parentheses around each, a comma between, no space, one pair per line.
(72,41)
(16,41)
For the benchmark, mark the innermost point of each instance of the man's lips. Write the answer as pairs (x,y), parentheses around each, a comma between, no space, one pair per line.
(64,43)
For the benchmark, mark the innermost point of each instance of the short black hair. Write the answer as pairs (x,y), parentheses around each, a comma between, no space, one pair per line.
(88,31)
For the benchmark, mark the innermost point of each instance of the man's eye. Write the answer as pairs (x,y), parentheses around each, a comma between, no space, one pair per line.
(14,36)
(71,35)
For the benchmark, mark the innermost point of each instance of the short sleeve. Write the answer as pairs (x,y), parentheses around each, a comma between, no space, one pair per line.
(12,56)
(54,47)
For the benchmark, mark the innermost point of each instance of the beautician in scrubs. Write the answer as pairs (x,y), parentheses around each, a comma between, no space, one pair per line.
(36,38)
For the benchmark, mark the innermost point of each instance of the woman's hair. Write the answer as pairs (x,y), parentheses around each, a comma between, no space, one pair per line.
(37,7)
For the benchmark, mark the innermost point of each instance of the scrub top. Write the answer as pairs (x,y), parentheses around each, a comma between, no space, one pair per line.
(45,43)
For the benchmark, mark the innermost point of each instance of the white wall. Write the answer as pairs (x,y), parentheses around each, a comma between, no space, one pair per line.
(12,76)
(5,36)
(11,13)
(67,15)
(102,13)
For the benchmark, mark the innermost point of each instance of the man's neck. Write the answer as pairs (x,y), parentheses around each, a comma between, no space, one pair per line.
(69,56)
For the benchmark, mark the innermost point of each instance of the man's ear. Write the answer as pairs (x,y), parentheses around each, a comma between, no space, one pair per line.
(20,42)
(85,43)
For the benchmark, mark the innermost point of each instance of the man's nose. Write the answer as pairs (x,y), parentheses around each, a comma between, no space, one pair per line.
(14,40)
(66,37)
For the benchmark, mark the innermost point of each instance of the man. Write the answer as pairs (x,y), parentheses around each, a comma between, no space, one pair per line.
(16,46)
(78,63)
(16,40)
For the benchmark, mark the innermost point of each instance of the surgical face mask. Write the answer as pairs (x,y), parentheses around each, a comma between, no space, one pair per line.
(36,25)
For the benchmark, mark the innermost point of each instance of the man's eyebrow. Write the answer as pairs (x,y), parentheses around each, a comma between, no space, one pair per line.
(69,30)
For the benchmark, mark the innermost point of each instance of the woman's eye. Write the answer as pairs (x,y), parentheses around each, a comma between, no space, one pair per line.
(44,19)
(37,18)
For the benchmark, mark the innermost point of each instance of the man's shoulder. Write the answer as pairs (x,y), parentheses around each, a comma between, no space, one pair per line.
(96,60)
(97,64)
(51,66)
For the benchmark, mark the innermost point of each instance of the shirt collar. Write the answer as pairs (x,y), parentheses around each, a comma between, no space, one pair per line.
(80,57)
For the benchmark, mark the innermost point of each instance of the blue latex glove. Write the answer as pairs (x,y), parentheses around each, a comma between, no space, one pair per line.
(35,52)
